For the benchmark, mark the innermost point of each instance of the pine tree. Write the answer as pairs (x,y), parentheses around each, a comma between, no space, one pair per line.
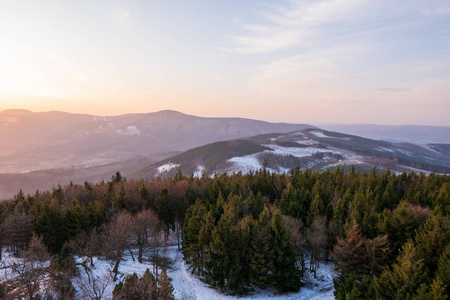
(405,277)
(50,226)
(260,252)
(444,268)
(192,247)
(432,239)
(165,209)
(285,274)
(165,289)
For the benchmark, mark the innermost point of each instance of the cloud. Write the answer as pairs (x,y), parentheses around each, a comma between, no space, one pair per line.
(294,24)
(301,24)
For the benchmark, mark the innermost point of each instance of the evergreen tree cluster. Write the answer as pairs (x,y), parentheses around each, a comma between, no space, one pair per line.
(387,233)
(232,249)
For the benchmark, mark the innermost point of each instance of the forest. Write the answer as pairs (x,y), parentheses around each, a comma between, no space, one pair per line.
(388,234)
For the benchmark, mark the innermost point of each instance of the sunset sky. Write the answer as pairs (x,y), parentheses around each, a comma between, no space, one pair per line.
(332,61)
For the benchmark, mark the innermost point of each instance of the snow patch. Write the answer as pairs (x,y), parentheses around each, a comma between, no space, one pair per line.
(167,167)
(431,149)
(384,149)
(404,152)
(297,152)
(130,130)
(245,164)
(249,163)
(307,142)
(199,172)
(320,134)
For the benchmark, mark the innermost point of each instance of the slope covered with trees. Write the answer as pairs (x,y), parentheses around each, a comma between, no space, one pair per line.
(388,234)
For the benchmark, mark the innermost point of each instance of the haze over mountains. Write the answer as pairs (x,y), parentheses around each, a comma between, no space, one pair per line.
(308,148)
(40,150)
(36,141)
(405,133)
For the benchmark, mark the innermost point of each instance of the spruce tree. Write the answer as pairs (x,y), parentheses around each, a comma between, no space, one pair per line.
(404,279)
(261,253)
(285,274)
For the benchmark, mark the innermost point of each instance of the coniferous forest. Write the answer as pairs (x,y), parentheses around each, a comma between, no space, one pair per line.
(388,234)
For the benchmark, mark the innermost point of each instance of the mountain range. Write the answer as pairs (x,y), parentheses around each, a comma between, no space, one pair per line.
(308,148)
(41,150)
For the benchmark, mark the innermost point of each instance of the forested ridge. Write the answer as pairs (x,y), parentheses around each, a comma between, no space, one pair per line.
(388,234)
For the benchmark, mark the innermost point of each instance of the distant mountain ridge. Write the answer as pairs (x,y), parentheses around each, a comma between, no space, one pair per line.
(415,134)
(308,148)
(42,150)
(37,141)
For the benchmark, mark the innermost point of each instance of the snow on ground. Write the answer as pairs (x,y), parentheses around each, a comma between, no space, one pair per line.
(248,163)
(384,149)
(297,152)
(188,286)
(320,134)
(130,130)
(167,167)
(199,172)
(307,142)
(430,149)
(7,261)
(404,152)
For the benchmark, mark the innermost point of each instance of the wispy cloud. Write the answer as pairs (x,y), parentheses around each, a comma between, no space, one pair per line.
(294,24)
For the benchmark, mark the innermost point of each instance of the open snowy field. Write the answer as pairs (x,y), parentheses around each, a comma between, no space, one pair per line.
(187,286)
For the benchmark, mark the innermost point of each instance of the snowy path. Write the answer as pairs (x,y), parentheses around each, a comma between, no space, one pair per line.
(187,286)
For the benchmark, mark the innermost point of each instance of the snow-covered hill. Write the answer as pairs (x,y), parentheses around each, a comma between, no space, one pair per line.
(309,148)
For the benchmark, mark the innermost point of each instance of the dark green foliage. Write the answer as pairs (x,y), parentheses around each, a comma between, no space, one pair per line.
(404,279)
(353,286)
(285,274)
(165,209)
(51,226)
(233,239)
(431,241)
(261,253)
(444,268)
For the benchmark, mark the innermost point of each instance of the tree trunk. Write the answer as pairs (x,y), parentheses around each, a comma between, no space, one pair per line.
(140,253)
(132,256)
(116,268)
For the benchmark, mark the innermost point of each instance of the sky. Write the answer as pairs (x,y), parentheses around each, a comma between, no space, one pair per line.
(321,61)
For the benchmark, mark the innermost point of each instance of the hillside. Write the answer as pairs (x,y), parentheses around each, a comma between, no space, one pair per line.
(308,148)
(38,141)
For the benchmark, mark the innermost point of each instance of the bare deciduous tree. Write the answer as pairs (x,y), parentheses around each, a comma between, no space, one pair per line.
(86,245)
(116,239)
(298,238)
(318,240)
(95,288)
(17,230)
(30,273)
(146,224)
